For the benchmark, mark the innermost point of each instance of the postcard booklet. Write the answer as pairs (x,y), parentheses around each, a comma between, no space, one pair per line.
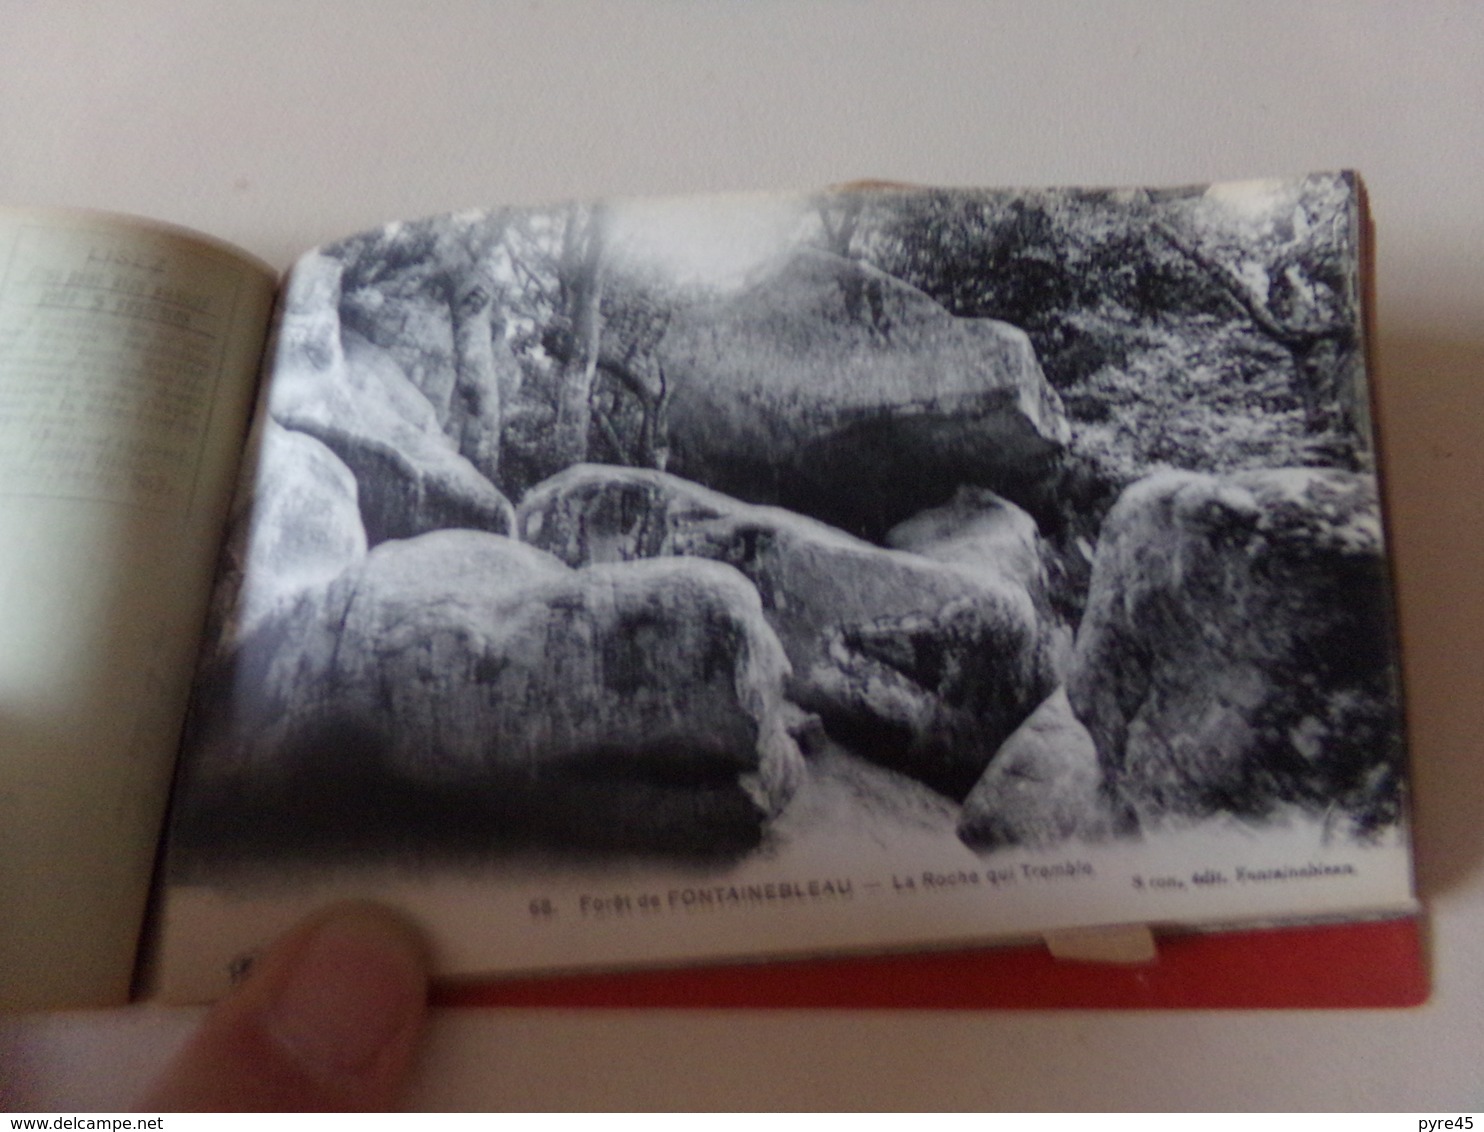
(660,582)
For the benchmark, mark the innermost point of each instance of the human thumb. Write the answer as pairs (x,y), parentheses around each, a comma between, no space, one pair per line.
(327,1020)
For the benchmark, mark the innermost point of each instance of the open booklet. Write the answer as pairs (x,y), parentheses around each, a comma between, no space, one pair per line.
(656,582)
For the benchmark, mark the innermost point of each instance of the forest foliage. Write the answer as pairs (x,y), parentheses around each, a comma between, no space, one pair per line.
(1205,329)
(1209,329)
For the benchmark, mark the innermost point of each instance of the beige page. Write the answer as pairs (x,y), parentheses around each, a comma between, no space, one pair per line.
(128,357)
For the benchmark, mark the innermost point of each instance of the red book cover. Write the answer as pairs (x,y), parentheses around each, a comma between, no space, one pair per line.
(1332,966)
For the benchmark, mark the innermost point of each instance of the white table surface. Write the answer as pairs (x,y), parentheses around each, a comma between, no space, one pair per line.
(280,125)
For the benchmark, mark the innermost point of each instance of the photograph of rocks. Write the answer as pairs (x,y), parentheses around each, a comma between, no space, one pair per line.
(674,529)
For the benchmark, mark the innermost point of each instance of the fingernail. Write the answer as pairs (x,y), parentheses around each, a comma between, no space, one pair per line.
(352,991)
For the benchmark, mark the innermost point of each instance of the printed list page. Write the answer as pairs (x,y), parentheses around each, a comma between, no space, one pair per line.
(128,357)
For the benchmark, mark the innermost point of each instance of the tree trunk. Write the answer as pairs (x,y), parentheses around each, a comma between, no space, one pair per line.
(477,416)
(654,447)
(582,261)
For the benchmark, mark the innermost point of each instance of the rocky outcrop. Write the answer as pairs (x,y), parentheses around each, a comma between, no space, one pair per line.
(926,666)
(976,527)
(462,686)
(1009,350)
(432,304)
(299,527)
(412,324)
(838,391)
(1236,651)
(353,397)
(979,530)
(841,795)
(1043,787)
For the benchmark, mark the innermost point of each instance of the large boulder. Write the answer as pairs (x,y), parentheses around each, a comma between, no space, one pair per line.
(1237,651)
(977,526)
(297,528)
(841,794)
(1043,787)
(353,397)
(979,530)
(464,687)
(926,666)
(413,325)
(838,391)
(433,329)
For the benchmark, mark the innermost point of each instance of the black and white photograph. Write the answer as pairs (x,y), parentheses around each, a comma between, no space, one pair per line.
(1018,550)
